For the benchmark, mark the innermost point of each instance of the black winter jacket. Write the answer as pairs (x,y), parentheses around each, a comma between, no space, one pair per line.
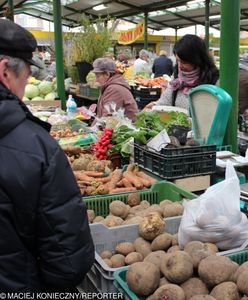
(45,241)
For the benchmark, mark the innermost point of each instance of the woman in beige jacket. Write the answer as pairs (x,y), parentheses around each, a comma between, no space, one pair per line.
(114,88)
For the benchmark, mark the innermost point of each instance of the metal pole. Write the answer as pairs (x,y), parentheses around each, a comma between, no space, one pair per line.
(59,52)
(175,34)
(207,23)
(145,31)
(195,29)
(10,10)
(229,63)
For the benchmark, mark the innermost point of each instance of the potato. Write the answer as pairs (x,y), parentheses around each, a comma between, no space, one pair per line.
(106,254)
(118,209)
(142,246)
(91,215)
(112,221)
(197,252)
(244,298)
(174,240)
(163,281)
(151,226)
(155,208)
(214,270)
(129,216)
(134,220)
(98,219)
(240,269)
(163,203)
(173,249)
(155,258)
(133,257)
(225,290)
(133,199)
(118,260)
(143,278)
(144,204)
(124,248)
(108,262)
(177,267)
(202,297)
(135,209)
(169,291)
(242,281)
(161,242)
(211,247)
(172,210)
(194,286)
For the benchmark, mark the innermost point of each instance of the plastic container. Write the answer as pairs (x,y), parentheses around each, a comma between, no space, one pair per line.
(101,277)
(71,107)
(174,163)
(120,275)
(157,193)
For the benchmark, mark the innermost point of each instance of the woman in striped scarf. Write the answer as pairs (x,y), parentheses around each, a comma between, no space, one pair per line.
(194,67)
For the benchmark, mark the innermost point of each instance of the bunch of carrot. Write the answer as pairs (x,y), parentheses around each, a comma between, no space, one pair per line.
(92,183)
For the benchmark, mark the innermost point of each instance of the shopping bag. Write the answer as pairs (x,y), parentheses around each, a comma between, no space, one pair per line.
(215,216)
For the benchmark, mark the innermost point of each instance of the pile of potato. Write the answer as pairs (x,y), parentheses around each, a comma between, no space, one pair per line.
(134,211)
(159,270)
(152,244)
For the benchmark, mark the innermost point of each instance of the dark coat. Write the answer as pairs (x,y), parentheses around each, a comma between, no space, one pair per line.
(162,65)
(117,90)
(45,241)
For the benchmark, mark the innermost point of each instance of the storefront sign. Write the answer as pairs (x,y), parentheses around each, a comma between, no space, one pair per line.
(131,35)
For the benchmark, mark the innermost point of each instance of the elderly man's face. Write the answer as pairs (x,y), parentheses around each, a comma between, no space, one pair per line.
(15,83)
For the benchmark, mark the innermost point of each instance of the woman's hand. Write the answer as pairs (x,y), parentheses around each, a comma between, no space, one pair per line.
(149,105)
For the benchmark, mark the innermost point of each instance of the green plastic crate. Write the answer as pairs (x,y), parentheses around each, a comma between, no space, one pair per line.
(120,275)
(158,192)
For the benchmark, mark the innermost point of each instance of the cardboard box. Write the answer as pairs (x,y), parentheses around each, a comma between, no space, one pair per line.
(193,184)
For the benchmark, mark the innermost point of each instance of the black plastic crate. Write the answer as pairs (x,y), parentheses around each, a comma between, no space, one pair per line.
(174,163)
(244,205)
(151,94)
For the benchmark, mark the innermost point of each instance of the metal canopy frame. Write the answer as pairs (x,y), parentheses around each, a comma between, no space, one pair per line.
(174,14)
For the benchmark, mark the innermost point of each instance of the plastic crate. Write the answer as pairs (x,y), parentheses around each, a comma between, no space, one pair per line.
(84,90)
(122,287)
(101,276)
(141,103)
(174,163)
(158,192)
(147,93)
(94,92)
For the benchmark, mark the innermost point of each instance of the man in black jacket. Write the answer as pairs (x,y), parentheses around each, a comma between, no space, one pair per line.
(162,65)
(45,241)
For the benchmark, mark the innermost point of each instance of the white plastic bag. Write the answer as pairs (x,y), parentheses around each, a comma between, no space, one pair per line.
(215,216)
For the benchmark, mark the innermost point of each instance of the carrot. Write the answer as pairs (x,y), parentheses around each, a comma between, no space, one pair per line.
(133,179)
(93,173)
(120,183)
(130,167)
(126,183)
(145,182)
(82,177)
(115,178)
(147,177)
(103,179)
(122,190)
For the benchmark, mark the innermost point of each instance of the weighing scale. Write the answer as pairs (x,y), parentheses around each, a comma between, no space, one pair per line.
(210,107)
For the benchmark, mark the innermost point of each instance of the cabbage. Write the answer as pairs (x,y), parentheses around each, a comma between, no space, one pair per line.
(50,96)
(25,99)
(45,87)
(31,91)
(37,99)
(91,77)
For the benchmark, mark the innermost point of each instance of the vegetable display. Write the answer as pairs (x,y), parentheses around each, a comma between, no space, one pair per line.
(103,144)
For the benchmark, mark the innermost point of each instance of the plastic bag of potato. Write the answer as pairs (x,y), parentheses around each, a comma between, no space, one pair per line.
(215,216)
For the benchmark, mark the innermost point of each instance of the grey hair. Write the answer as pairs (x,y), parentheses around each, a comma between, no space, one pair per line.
(143,53)
(14,63)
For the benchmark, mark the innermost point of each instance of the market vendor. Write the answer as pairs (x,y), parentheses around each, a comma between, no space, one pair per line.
(114,89)
(141,64)
(194,67)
